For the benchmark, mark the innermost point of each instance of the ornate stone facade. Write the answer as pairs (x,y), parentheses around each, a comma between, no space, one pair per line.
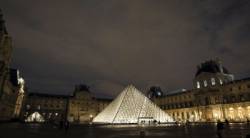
(211,102)
(11,84)
(80,107)
(83,106)
(50,107)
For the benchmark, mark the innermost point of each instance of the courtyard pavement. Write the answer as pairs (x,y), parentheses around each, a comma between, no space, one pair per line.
(17,130)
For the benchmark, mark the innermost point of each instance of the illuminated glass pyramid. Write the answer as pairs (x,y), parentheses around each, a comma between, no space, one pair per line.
(131,106)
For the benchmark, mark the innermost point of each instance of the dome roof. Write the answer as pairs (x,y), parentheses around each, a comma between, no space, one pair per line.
(211,67)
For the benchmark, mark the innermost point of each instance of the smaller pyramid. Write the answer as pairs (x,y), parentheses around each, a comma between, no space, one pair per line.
(131,106)
(35,117)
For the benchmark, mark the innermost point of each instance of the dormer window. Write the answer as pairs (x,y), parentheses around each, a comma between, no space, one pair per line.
(221,82)
(213,81)
(198,85)
(205,83)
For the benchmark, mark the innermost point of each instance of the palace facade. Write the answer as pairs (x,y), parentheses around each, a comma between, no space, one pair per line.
(11,83)
(215,96)
(79,107)
(84,106)
(40,107)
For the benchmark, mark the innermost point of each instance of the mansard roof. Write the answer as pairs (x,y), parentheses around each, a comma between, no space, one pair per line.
(211,66)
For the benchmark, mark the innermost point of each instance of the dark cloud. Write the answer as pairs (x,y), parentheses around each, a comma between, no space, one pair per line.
(110,44)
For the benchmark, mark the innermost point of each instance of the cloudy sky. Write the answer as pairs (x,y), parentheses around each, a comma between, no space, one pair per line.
(110,44)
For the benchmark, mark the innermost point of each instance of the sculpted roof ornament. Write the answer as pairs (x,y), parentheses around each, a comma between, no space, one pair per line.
(3,29)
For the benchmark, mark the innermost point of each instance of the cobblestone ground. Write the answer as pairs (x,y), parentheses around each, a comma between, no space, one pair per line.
(16,130)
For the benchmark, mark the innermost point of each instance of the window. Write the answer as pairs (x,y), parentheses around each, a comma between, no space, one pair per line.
(191,104)
(213,81)
(221,82)
(205,83)
(225,99)
(242,98)
(198,85)
(239,87)
(207,101)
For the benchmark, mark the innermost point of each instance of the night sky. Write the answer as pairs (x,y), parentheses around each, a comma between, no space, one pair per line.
(109,44)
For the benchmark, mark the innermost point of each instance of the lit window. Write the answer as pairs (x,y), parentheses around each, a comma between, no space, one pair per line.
(205,83)
(221,82)
(198,85)
(213,81)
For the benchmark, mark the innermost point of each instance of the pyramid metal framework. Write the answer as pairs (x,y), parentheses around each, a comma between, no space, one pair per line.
(129,107)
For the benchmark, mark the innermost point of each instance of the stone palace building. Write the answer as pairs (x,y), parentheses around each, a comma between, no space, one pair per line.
(79,107)
(11,82)
(215,96)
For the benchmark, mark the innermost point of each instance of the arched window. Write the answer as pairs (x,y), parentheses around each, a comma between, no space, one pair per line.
(213,81)
(221,82)
(198,85)
(205,83)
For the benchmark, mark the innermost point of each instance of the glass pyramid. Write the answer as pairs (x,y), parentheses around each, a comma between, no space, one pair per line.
(131,106)
(35,117)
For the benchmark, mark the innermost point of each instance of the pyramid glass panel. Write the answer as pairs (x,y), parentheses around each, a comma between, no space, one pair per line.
(131,106)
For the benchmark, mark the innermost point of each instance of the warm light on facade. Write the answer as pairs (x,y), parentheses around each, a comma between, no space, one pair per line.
(216,115)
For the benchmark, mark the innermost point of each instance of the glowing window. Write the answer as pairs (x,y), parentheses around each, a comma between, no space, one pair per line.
(213,81)
(221,82)
(198,85)
(205,83)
